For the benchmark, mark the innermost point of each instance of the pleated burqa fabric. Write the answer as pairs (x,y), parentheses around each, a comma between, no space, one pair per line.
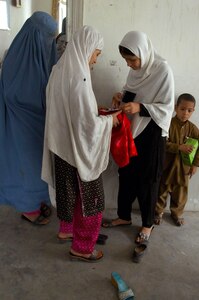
(24,77)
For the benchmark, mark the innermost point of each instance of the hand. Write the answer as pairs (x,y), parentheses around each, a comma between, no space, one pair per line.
(116,122)
(131,107)
(116,100)
(186,148)
(192,171)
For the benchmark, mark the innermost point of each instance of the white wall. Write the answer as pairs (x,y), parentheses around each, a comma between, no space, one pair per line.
(18,15)
(173,29)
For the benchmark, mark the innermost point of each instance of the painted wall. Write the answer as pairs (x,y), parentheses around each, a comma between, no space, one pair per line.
(172,27)
(17,18)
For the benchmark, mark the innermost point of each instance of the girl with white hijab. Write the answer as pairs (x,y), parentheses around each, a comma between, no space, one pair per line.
(150,79)
(77,144)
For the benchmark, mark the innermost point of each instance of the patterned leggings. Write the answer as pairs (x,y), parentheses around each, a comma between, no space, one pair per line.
(85,230)
(80,218)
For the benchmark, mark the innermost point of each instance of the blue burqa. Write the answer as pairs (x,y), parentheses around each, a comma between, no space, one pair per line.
(24,77)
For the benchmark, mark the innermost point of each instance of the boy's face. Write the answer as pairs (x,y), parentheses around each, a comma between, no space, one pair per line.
(184,110)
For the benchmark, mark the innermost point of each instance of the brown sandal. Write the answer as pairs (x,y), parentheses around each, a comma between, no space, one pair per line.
(94,257)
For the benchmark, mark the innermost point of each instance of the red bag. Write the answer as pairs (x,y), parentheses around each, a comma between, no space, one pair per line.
(122,142)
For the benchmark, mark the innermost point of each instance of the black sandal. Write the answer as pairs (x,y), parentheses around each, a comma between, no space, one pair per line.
(45,210)
(38,221)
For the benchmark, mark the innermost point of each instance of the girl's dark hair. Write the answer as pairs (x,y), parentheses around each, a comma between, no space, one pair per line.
(186,97)
(125,51)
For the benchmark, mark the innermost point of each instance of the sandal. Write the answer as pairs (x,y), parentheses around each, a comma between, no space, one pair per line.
(63,240)
(158,219)
(143,238)
(45,210)
(124,292)
(94,257)
(40,220)
(178,221)
(110,224)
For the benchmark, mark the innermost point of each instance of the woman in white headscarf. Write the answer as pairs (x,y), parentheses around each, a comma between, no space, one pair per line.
(150,107)
(77,144)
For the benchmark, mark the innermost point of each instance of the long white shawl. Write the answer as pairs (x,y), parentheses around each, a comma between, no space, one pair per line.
(73,130)
(153,83)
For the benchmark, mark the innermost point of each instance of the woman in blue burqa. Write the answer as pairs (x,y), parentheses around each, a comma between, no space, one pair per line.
(25,72)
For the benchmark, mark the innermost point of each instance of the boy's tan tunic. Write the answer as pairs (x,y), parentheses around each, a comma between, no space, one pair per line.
(175,172)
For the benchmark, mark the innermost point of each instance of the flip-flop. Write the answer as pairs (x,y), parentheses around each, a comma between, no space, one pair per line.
(93,258)
(109,224)
(64,240)
(124,292)
(38,221)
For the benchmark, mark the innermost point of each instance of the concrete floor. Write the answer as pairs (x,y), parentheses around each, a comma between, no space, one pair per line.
(33,265)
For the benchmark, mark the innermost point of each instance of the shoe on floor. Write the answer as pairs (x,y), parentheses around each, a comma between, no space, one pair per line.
(102,239)
(138,252)
(124,292)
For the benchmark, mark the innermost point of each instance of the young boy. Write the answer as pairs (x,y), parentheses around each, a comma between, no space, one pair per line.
(176,174)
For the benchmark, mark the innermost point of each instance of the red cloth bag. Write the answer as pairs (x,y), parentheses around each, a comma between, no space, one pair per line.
(122,142)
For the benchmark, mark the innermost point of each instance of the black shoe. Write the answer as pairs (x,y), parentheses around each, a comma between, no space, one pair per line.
(138,252)
(102,239)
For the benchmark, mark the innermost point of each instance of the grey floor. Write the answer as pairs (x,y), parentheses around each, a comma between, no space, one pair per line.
(33,265)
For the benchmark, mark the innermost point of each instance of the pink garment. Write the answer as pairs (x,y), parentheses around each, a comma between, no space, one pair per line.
(32,213)
(85,230)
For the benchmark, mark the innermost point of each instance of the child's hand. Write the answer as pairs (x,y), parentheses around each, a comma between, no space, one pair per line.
(192,171)
(186,148)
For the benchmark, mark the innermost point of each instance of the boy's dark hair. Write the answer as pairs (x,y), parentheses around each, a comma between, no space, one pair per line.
(125,51)
(186,97)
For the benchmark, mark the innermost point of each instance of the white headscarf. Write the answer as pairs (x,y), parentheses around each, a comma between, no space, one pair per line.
(153,83)
(74,131)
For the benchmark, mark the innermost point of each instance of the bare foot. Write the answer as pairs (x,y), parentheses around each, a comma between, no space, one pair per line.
(63,235)
(116,222)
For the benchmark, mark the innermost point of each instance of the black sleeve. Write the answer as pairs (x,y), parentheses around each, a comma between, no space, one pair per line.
(143,111)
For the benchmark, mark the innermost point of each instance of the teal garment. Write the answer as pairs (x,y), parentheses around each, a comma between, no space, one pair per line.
(25,72)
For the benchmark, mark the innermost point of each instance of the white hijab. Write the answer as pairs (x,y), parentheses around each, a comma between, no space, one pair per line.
(153,83)
(73,130)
